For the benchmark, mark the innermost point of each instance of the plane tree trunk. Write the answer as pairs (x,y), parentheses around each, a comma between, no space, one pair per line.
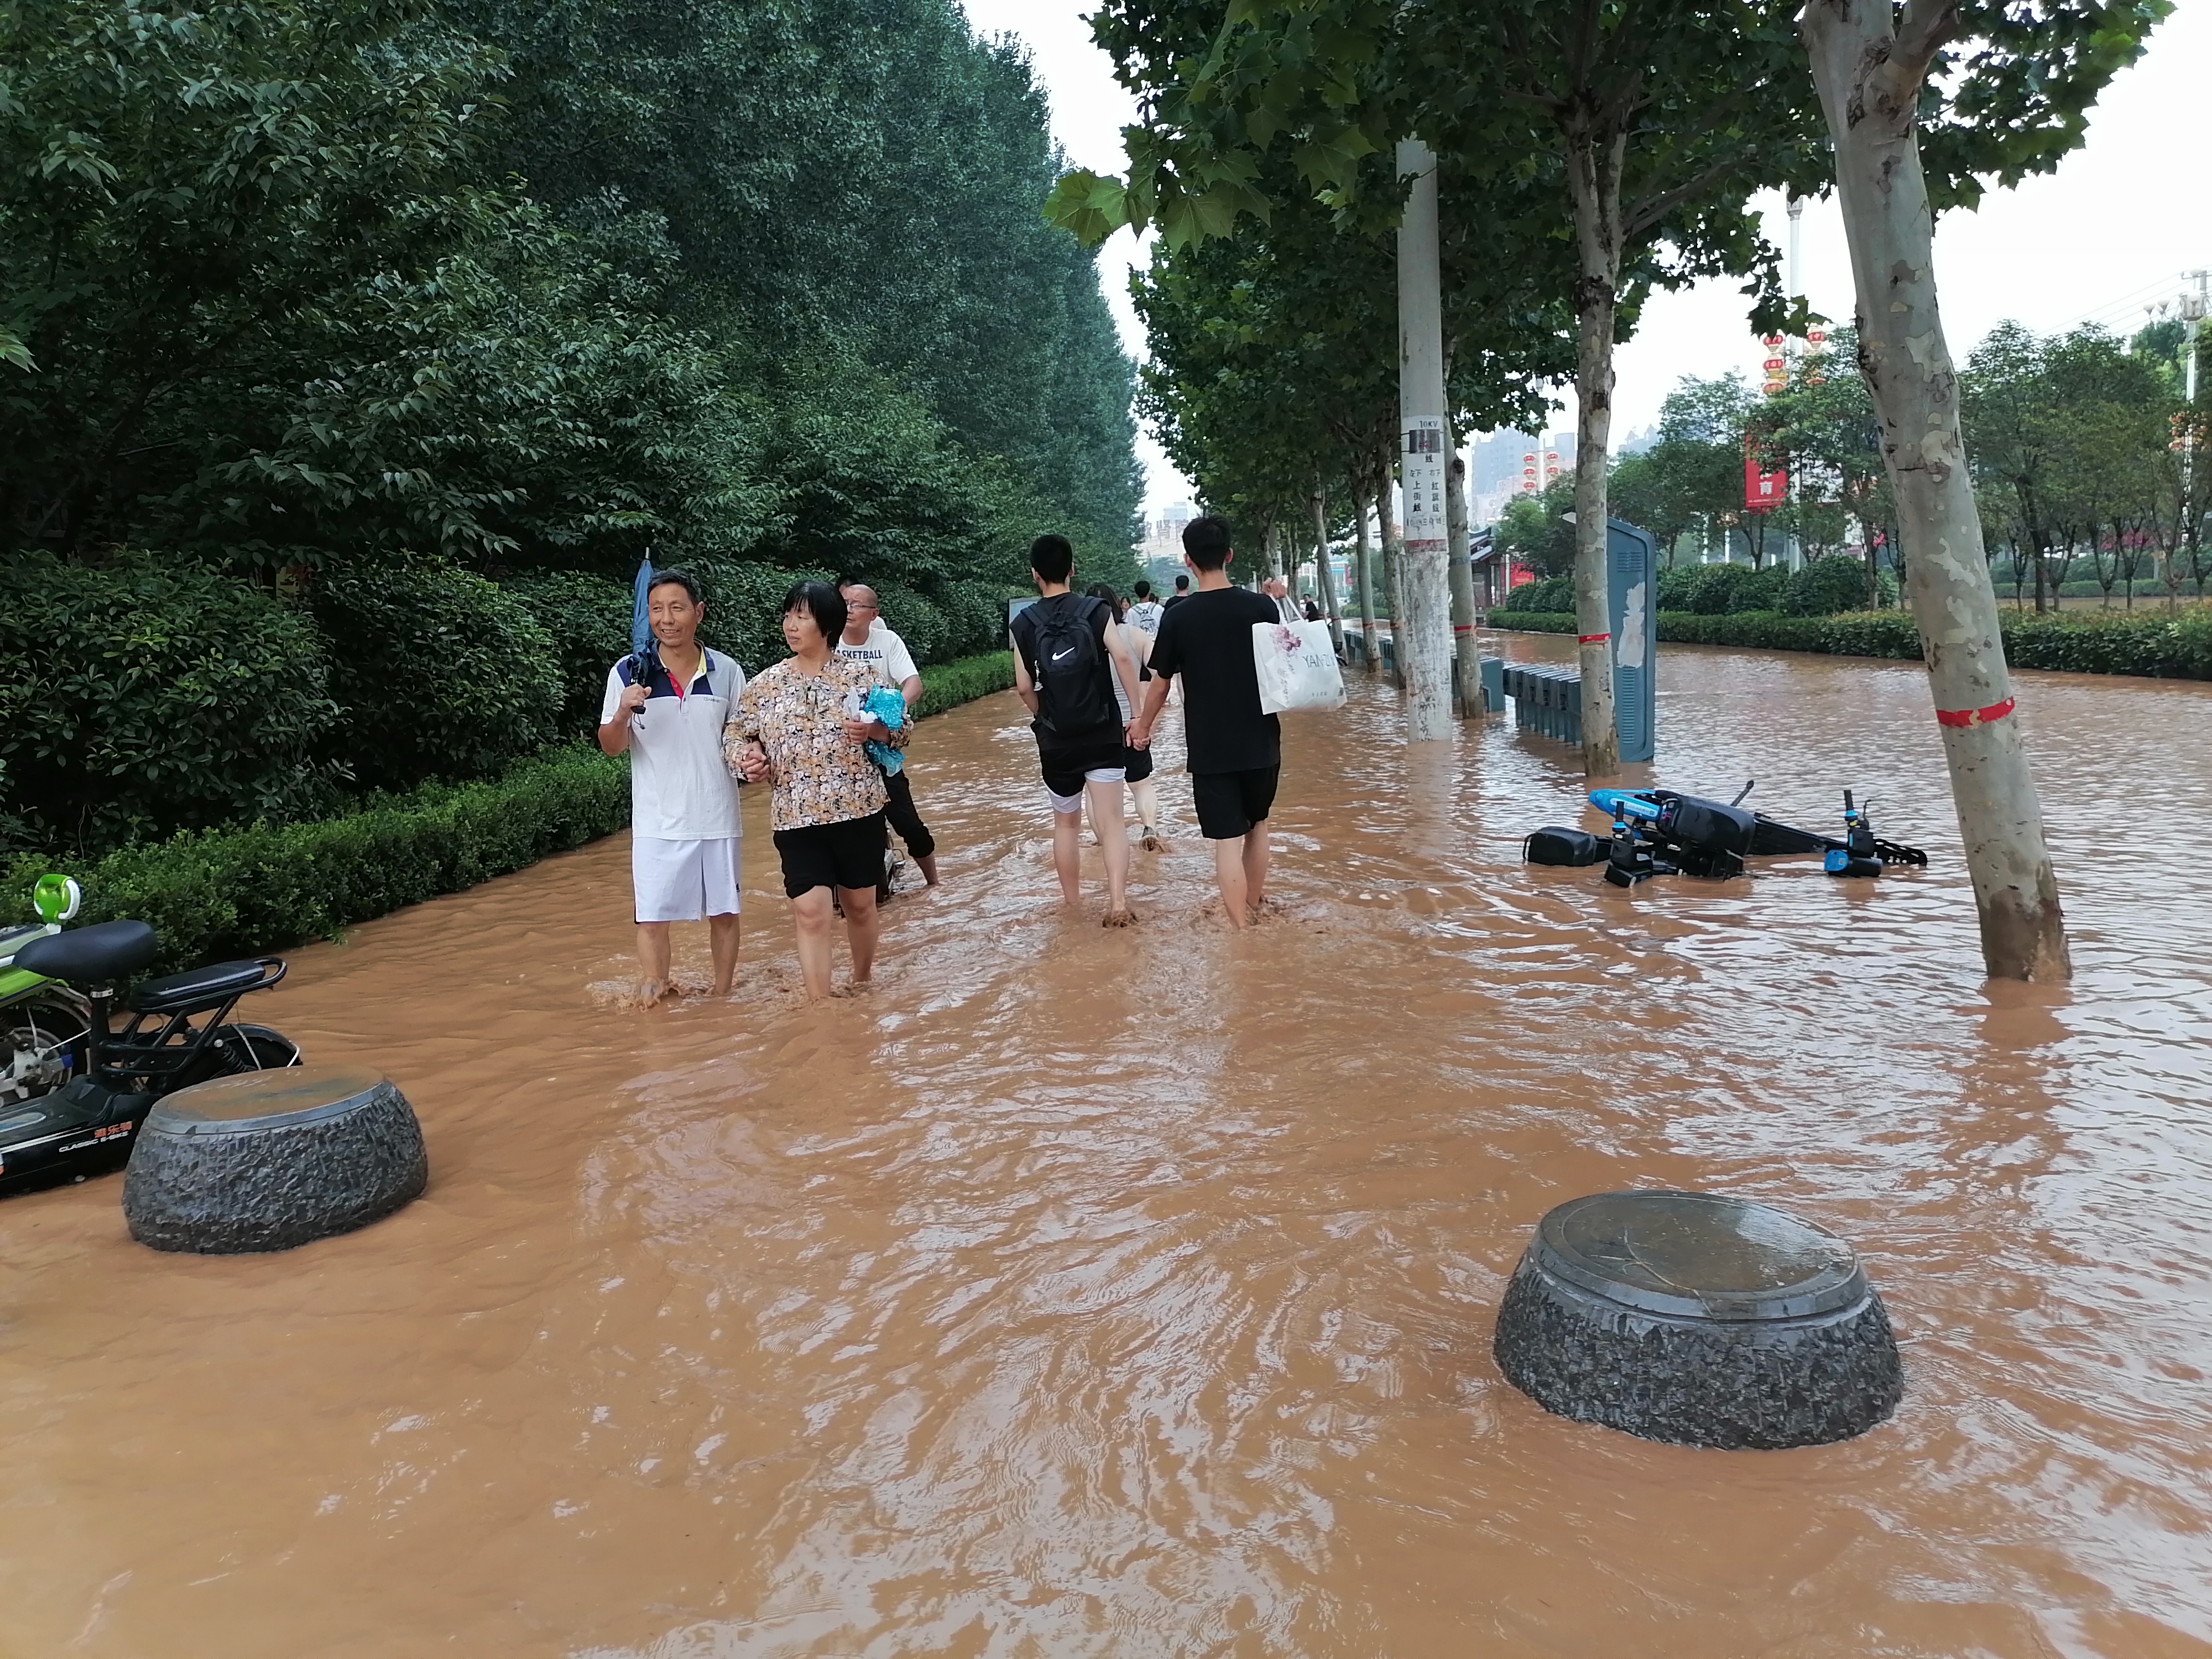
(1869,72)
(1594,166)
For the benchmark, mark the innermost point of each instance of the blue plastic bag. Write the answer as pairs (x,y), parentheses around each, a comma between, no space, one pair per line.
(887,704)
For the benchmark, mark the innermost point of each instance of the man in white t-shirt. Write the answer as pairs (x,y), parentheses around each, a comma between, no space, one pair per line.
(667,710)
(865,639)
(1145,612)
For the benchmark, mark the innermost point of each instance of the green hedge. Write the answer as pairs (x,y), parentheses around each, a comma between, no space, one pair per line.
(221,893)
(954,682)
(2149,645)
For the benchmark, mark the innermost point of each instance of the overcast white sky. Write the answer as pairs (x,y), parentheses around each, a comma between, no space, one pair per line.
(2114,228)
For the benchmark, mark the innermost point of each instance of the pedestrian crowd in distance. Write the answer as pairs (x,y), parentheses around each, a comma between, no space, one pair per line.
(826,729)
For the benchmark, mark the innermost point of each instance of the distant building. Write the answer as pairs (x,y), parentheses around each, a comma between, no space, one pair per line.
(1508,463)
(1163,535)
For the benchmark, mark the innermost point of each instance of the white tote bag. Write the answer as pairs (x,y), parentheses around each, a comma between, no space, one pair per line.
(1296,665)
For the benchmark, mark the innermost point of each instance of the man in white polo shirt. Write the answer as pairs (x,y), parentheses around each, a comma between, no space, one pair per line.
(668,712)
(865,639)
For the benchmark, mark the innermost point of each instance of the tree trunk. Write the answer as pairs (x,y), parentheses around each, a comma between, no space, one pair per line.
(1275,545)
(1422,628)
(1393,572)
(1370,635)
(1467,673)
(1870,86)
(1323,572)
(1593,162)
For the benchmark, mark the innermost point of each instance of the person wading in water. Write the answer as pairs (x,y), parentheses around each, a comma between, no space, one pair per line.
(668,712)
(1068,653)
(1235,750)
(799,727)
(867,640)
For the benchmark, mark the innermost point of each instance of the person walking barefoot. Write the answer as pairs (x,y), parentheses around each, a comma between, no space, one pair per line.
(868,639)
(1066,655)
(800,728)
(1235,749)
(668,711)
(1136,764)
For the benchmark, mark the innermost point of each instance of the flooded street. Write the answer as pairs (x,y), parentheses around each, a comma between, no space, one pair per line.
(1087,1293)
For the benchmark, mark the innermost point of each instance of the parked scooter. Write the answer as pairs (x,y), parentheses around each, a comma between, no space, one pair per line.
(74,1088)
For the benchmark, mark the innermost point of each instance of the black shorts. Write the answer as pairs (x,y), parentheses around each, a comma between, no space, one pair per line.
(1230,803)
(1136,765)
(1064,768)
(848,854)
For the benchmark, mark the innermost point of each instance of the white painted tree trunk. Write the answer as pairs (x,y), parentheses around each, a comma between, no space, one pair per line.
(1394,568)
(1423,627)
(1466,674)
(1869,78)
(1324,574)
(1370,635)
(1593,164)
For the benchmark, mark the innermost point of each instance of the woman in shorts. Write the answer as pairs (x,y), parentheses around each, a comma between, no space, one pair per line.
(1137,764)
(799,727)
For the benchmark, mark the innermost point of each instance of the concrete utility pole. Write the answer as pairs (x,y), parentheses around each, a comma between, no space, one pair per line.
(1422,624)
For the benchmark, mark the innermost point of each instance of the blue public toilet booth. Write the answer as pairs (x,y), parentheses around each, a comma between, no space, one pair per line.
(1632,607)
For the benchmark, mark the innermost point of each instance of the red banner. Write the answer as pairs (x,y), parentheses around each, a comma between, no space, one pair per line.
(1763,491)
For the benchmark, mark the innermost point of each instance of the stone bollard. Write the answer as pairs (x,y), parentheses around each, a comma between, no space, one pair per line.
(1700,1321)
(268,1160)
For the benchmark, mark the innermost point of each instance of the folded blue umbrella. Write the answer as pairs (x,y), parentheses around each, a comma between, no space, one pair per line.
(644,649)
(887,704)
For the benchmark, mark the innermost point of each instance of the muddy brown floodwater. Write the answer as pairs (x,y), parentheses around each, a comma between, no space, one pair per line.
(1081,1293)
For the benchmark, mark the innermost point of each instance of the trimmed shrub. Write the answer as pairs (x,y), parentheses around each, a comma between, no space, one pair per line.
(1715,590)
(141,697)
(1825,587)
(221,893)
(1552,594)
(949,684)
(438,673)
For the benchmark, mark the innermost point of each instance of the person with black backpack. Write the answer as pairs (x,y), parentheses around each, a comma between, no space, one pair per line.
(1067,655)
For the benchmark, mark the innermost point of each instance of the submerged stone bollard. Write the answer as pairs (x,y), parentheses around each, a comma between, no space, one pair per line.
(268,1160)
(1700,1321)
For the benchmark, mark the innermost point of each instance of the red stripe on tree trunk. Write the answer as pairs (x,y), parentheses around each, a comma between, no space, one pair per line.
(1995,711)
(1592,639)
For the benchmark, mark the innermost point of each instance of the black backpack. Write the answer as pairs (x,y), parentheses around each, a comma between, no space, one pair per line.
(1074,698)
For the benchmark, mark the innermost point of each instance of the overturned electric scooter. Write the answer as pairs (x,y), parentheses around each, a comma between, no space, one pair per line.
(1657,832)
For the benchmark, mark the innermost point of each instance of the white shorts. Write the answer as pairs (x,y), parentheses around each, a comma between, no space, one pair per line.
(683,880)
(1066,804)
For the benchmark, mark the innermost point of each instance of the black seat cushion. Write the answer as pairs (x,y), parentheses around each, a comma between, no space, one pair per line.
(105,952)
(201,987)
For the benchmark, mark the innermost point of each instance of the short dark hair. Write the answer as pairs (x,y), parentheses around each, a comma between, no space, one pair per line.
(1206,542)
(821,601)
(1052,557)
(1182,582)
(682,578)
(1144,590)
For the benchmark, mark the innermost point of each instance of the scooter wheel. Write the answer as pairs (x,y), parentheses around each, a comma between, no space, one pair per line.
(266,1160)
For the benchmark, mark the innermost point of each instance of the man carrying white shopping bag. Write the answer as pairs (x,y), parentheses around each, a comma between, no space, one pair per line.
(1295,664)
(1235,745)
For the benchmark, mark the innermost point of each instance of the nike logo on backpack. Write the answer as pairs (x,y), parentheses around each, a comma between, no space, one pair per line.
(1062,656)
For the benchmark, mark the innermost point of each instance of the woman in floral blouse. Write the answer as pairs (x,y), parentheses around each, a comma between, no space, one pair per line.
(798,724)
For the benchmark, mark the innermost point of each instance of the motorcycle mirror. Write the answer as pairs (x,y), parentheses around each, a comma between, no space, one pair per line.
(57,898)
(1741,793)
